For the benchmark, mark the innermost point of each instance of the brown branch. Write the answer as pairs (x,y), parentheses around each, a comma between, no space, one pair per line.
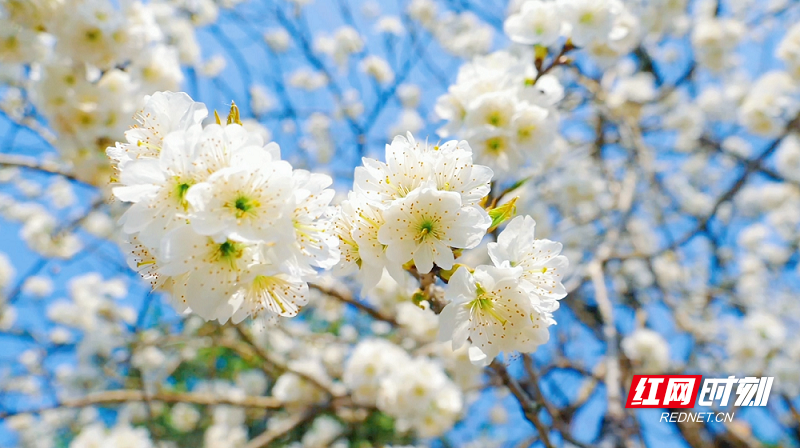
(560,59)
(112,397)
(34,164)
(280,365)
(552,410)
(529,407)
(250,354)
(347,298)
(281,429)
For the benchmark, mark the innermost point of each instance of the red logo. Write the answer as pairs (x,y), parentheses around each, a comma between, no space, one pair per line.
(663,391)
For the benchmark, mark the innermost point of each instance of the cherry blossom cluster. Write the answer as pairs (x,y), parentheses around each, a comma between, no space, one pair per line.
(230,230)
(503,109)
(508,306)
(97,434)
(461,34)
(417,207)
(605,27)
(85,65)
(415,391)
(217,219)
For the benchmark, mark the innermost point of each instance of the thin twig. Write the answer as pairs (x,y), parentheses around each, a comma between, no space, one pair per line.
(280,364)
(347,298)
(34,164)
(529,407)
(127,396)
(284,427)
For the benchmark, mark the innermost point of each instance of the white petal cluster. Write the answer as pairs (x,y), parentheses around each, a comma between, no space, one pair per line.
(789,51)
(295,391)
(377,68)
(506,307)
(40,230)
(507,119)
(344,42)
(415,391)
(86,65)
(93,308)
(370,363)
(416,207)
(537,23)
(715,40)
(217,219)
(647,350)
(184,417)
(753,340)
(461,34)
(323,433)
(606,28)
(228,427)
(121,435)
(770,104)
(540,260)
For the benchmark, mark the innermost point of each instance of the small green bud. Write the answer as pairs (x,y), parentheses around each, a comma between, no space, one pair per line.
(540,52)
(502,213)
(418,298)
(446,274)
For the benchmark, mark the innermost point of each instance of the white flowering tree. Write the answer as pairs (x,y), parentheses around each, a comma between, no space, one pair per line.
(411,223)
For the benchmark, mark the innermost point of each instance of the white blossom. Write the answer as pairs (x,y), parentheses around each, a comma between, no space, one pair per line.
(537,22)
(426,224)
(492,308)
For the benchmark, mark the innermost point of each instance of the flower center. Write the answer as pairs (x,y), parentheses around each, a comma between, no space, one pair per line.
(243,206)
(180,191)
(228,249)
(483,303)
(526,132)
(11,43)
(93,34)
(425,228)
(228,253)
(495,118)
(150,73)
(496,145)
